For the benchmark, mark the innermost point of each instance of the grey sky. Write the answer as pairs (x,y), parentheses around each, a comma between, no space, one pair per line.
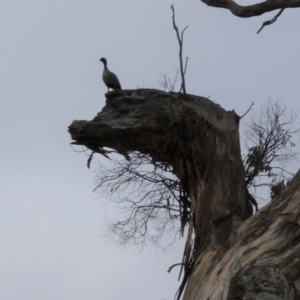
(50,220)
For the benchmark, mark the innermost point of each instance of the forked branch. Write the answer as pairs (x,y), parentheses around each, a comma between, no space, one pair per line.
(180,41)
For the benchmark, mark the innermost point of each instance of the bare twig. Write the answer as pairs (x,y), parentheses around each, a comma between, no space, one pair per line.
(150,196)
(247,111)
(175,265)
(89,160)
(180,41)
(269,22)
(167,83)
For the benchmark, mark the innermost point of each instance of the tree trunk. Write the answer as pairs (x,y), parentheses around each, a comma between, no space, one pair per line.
(200,141)
(261,261)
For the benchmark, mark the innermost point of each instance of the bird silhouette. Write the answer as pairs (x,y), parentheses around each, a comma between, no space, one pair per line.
(110,79)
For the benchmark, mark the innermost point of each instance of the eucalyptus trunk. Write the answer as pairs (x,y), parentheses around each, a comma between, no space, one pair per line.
(236,255)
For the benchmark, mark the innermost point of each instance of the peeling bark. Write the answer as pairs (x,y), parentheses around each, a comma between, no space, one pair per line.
(200,141)
(261,283)
(271,237)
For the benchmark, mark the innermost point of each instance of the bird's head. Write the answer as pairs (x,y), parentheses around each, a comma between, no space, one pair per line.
(103,60)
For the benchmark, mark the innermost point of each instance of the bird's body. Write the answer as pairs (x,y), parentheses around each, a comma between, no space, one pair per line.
(110,79)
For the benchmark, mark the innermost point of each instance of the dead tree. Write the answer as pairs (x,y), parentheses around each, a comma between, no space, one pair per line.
(235,255)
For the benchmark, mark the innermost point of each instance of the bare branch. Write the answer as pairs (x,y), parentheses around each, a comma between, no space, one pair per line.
(247,110)
(150,197)
(180,41)
(175,265)
(167,83)
(269,22)
(247,11)
(186,62)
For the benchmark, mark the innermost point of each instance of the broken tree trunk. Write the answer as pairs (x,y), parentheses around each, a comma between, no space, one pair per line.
(200,141)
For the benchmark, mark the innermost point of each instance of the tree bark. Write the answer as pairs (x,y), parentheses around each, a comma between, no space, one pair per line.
(262,261)
(200,141)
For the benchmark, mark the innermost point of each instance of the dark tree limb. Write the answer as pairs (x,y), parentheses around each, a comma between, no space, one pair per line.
(247,11)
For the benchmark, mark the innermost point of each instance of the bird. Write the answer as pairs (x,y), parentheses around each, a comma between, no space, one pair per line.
(110,79)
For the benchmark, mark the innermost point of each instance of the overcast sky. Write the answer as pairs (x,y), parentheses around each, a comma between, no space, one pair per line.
(51,223)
